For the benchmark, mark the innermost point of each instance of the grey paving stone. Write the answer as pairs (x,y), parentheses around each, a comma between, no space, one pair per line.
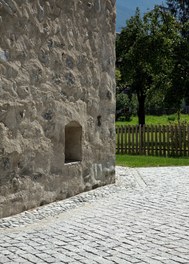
(143,218)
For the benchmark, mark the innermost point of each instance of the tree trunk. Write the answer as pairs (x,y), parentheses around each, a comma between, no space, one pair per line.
(178,116)
(141,110)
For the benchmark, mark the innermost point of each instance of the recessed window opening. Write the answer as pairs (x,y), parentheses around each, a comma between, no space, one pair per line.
(73,142)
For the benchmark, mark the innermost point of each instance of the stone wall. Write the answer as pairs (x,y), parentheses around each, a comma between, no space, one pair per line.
(57,100)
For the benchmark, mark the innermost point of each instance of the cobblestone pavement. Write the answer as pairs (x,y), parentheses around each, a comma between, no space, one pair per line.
(143,218)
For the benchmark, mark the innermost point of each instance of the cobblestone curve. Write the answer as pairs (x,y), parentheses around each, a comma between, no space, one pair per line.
(124,179)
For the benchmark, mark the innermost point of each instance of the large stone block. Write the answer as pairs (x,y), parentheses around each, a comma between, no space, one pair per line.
(57,100)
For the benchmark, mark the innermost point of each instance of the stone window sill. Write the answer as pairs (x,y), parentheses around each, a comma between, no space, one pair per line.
(69,163)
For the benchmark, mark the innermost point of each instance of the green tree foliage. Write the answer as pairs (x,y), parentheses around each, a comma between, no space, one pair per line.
(144,54)
(180,74)
(179,88)
(180,9)
(123,100)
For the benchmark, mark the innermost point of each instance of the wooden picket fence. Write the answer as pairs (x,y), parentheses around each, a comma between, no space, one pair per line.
(157,140)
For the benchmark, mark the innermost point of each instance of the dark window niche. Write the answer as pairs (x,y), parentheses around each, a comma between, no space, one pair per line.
(73,142)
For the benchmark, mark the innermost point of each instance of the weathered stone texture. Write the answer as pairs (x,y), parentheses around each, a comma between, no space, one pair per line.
(56,70)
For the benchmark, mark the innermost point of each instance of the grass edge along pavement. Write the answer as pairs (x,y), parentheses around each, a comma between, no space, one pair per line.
(150,161)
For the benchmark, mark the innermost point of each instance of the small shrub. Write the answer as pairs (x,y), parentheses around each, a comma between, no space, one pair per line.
(171,118)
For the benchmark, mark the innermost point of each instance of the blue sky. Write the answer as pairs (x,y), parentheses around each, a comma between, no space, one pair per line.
(126,8)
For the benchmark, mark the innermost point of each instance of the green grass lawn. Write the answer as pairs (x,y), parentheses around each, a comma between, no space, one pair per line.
(156,120)
(150,161)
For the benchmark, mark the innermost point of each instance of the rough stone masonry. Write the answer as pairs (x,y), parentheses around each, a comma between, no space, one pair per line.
(57,101)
